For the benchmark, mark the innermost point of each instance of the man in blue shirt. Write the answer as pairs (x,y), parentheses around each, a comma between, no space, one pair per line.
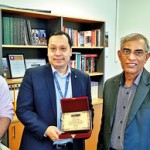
(38,104)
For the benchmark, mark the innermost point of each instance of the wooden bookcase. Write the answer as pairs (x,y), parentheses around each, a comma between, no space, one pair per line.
(51,22)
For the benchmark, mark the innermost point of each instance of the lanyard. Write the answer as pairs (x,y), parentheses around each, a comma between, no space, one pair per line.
(58,86)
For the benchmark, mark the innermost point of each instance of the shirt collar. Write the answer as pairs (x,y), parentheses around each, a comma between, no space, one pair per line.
(136,82)
(55,71)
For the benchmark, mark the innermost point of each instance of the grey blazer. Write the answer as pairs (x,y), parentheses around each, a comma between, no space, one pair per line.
(137,131)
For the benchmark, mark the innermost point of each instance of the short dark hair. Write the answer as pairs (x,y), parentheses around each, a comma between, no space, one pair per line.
(61,33)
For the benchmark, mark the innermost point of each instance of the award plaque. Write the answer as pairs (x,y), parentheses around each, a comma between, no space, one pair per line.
(76,121)
(17,65)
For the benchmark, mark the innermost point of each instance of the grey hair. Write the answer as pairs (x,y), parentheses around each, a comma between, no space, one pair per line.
(135,36)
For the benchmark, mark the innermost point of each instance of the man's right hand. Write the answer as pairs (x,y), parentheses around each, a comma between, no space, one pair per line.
(53,133)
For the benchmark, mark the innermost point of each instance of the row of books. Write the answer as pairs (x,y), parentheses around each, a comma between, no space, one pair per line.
(84,62)
(18,31)
(84,38)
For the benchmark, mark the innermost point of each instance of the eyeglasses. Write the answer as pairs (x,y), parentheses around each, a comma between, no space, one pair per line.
(138,52)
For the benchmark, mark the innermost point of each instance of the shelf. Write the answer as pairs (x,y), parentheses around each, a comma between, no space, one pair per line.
(19,80)
(14,81)
(34,46)
(23,46)
(29,13)
(87,47)
(97,101)
(95,74)
(82,20)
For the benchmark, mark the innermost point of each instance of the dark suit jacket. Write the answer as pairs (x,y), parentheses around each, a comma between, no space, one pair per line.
(36,105)
(137,131)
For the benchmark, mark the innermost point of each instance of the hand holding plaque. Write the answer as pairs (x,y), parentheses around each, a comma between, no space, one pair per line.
(76,117)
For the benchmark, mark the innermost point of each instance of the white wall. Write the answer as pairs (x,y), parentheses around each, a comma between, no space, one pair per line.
(96,9)
(134,16)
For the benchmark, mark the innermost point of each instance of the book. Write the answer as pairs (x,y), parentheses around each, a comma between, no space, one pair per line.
(12,92)
(87,38)
(76,60)
(98,37)
(94,89)
(39,36)
(5,67)
(16,91)
(93,38)
(88,62)
(83,62)
(29,32)
(81,38)
(16,33)
(6,30)
(25,32)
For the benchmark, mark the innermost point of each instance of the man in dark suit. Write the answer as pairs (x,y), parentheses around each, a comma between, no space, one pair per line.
(126,108)
(38,103)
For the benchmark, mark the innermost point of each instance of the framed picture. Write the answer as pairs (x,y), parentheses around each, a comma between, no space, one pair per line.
(106,39)
(17,65)
(31,63)
(5,67)
(39,36)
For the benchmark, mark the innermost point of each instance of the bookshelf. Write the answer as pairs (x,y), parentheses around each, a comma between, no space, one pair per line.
(51,22)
